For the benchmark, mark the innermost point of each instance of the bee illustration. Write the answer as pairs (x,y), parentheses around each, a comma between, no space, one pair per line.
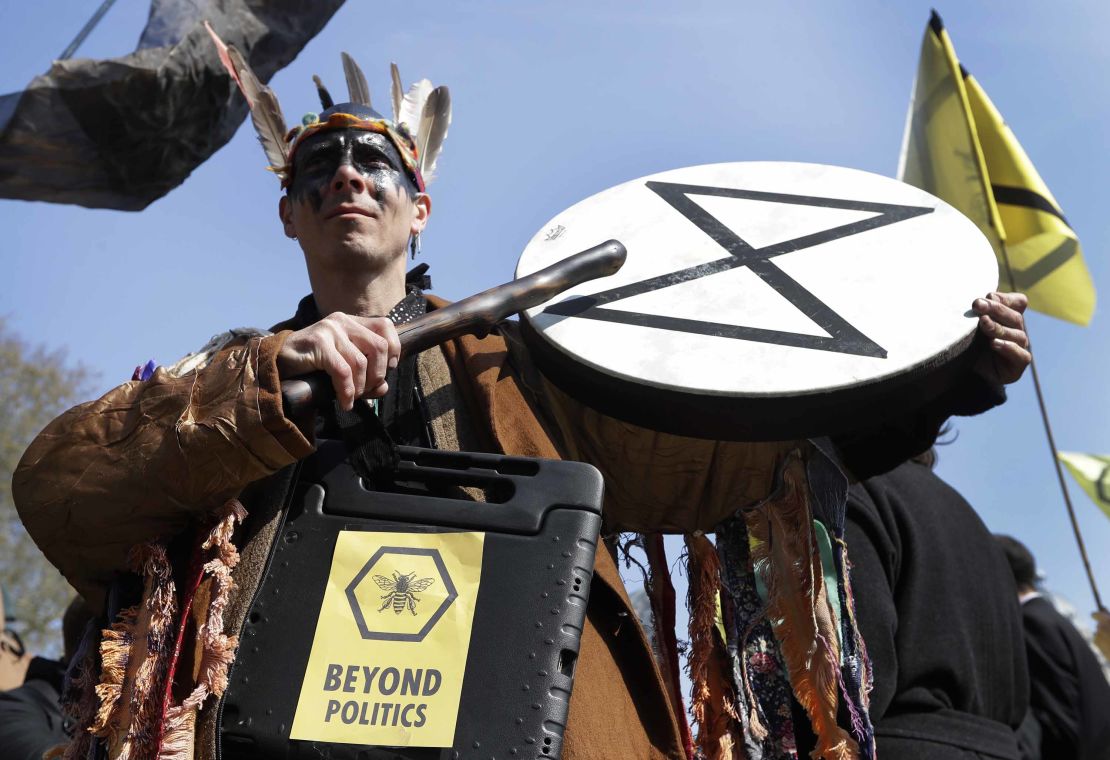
(400,591)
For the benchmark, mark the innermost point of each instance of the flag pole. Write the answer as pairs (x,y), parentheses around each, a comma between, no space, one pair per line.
(1055,453)
(85,30)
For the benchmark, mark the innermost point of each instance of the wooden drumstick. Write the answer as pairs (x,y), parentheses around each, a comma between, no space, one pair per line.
(476,315)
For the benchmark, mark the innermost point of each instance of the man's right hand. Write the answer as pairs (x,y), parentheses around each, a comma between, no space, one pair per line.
(355,352)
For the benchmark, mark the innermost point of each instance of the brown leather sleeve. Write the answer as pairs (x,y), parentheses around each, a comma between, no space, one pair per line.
(146,458)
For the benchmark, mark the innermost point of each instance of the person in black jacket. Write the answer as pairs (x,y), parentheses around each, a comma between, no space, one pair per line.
(1069,695)
(938,612)
(31,719)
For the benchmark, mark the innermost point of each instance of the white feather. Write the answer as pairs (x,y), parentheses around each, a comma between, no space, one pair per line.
(412,105)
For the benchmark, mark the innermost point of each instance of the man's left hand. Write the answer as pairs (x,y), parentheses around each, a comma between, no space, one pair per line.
(1001,320)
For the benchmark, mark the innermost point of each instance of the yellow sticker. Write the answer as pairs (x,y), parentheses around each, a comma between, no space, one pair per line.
(389,653)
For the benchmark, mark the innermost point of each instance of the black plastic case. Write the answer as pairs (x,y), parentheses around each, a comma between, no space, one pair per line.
(541,522)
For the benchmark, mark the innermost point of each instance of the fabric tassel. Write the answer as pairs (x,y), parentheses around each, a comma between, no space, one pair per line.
(762,689)
(722,721)
(217,650)
(701,601)
(741,697)
(662,596)
(829,488)
(785,556)
(857,665)
(115,651)
(711,700)
(133,655)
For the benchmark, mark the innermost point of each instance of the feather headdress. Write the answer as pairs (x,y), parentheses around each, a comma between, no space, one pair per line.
(418,128)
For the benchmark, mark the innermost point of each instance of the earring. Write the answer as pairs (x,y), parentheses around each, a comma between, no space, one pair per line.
(414,245)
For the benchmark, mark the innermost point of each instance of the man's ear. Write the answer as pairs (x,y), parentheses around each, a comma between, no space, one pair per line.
(423,209)
(285,213)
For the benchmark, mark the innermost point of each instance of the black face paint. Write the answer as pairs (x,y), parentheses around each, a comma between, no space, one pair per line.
(370,154)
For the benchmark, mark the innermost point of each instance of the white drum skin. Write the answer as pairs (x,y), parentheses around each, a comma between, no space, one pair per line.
(756,292)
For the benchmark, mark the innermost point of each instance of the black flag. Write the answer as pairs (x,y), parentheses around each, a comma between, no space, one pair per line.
(122,132)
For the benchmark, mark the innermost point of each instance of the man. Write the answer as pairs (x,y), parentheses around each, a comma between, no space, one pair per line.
(1068,693)
(150,467)
(146,477)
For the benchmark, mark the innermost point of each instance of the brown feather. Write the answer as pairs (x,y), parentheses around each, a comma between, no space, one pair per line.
(356,82)
(265,112)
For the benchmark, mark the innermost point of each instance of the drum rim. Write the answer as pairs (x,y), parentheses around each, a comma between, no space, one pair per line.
(753,417)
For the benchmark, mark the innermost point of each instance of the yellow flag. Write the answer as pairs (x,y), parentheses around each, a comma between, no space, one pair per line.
(1092,471)
(957,146)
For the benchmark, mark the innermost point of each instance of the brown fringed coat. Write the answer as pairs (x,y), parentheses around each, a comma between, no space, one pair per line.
(105,486)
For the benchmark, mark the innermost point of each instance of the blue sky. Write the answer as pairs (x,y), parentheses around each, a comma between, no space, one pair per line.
(556,101)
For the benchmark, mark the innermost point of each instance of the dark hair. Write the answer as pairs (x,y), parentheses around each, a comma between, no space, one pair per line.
(1022,564)
(74,621)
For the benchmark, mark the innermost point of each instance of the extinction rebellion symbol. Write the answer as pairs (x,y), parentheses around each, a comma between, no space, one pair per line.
(843,337)
(402,573)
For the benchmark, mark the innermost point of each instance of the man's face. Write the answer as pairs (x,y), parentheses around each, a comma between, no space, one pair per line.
(351,201)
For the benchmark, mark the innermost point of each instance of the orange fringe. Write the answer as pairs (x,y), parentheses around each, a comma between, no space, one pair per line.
(723,722)
(784,553)
(179,738)
(134,656)
(711,701)
(133,660)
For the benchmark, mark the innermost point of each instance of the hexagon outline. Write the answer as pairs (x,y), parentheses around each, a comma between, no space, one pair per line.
(360,621)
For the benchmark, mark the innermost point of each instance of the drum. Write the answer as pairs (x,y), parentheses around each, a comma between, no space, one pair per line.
(761,304)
